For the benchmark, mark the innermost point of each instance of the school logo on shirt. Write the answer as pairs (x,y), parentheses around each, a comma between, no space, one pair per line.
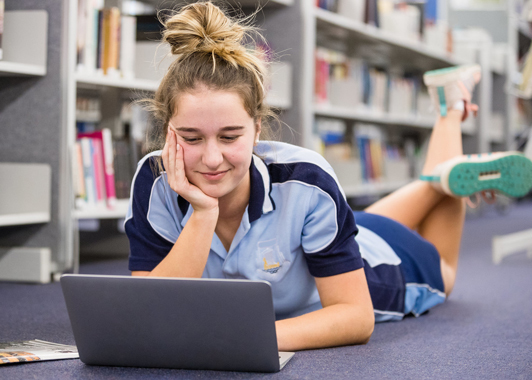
(270,259)
(271,268)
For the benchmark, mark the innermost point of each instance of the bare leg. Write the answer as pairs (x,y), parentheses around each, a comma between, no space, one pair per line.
(437,217)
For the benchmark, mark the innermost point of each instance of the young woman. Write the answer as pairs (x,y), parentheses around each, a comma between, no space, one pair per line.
(218,202)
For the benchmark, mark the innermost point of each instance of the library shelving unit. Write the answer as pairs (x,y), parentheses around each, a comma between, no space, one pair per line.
(111,88)
(31,149)
(376,46)
(25,200)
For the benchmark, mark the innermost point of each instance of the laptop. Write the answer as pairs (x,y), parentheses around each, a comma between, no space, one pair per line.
(207,324)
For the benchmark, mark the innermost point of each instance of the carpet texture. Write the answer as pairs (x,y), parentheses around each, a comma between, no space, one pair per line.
(484,330)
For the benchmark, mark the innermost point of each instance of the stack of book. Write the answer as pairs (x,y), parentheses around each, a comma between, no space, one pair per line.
(93,170)
(105,40)
(88,113)
(329,5)
(361,154)
(352,83)
(403,94)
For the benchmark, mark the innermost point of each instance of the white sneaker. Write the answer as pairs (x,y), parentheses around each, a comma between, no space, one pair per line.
(452,87)
(509,173)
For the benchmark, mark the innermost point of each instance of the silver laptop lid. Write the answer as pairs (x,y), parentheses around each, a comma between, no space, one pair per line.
(172,323)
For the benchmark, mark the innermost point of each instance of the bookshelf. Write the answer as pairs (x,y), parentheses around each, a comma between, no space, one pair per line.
(421,122)
(31,149)
(98,81)
(396,49)
(103,212)
(295,28)
(237,3)
(146,80)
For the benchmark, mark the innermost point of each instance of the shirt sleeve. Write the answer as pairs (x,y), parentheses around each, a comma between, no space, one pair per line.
(328,237)
(150,225)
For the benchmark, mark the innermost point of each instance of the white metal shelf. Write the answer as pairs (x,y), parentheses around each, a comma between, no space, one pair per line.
(375,188)
(468,128)
(96,81)
(371,117)
(31,59)
(101,211)
(21,69)
(25,218)
(238,3)
(92,81)
(398,50)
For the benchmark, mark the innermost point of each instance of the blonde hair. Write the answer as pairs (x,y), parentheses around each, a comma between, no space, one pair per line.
(215,51)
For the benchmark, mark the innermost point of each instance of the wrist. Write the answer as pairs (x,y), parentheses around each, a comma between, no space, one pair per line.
(206,214)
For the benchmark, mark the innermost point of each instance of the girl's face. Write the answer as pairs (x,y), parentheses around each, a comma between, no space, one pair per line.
(217,136)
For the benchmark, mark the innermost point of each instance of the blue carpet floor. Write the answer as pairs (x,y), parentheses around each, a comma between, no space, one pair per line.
(484,330)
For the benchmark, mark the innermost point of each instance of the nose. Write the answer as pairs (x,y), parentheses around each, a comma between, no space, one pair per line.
(212,156)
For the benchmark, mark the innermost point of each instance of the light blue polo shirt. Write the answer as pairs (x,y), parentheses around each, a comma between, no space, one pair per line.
(297,226)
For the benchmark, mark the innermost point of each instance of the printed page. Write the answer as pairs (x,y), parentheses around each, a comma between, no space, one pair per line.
(35,350)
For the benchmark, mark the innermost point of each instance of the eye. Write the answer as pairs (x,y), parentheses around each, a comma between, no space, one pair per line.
(191,140)
(229,138)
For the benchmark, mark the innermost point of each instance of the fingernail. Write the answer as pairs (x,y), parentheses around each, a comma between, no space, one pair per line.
(177,147)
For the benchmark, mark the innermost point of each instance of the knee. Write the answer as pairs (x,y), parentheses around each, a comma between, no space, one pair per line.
(448,274)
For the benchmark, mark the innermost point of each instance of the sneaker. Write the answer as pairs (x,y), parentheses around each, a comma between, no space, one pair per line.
(509,173)
(452,87)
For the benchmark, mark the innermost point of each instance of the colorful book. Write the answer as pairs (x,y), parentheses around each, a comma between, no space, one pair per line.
(88,170)
(104,136)
(77,174)
(99,179)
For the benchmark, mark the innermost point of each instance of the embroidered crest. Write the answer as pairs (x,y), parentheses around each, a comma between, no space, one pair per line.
(270,257)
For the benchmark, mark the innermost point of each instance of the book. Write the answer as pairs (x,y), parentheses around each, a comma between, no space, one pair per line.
(35,350)
(99,177)
(88,170)
(124,170)
(105,139)
(112,42)
(128,34)
(1,25)
(77,176)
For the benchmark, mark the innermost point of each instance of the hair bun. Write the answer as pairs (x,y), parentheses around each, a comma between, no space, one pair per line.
(203,27)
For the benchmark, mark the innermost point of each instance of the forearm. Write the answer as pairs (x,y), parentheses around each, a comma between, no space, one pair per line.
(189,255)
(335,325)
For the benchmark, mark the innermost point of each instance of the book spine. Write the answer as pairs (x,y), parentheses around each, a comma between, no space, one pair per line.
(81,40)
(78,177)
(2,12)
(88,171)
(109,167)
(99,176)
(106,40)
(127,46)
(99,40)
(113,41)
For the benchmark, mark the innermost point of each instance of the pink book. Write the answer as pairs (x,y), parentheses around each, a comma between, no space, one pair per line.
(108,162)
(99,176)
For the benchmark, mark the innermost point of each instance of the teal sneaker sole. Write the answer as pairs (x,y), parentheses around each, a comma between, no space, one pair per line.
(510,175)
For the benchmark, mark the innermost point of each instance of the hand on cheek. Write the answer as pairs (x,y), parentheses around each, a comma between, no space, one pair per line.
(175,170)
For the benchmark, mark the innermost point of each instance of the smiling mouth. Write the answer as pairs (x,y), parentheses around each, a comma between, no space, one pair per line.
(214,175)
